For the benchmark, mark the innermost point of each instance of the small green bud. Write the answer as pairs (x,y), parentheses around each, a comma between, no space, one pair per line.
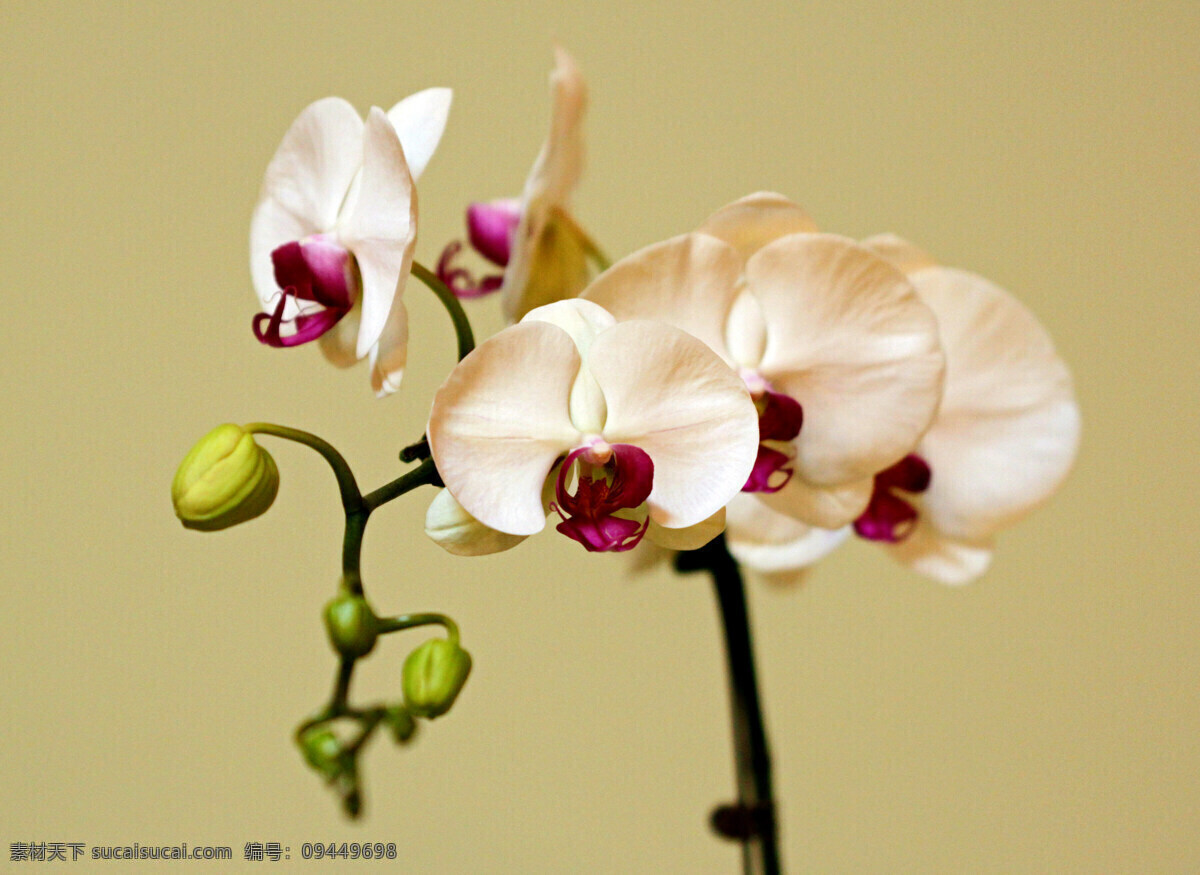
(352,625)
(323,751)
(434,674)
(401,723)
(224,480)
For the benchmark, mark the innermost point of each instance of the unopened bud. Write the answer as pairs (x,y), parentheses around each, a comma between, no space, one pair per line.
(352,626)
(401,723)
(323,751)
(434,674)
(224,480)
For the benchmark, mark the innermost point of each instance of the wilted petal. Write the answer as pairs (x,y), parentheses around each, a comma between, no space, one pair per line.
(904,255)
(339,344)
(419,120)
(560,163)
(500,422)
(548,264)
(771,542)
(687,538)
(828,507)
(850,340)
(944,559)
(750,223)
(690,282)
(381,227)
(304,186)
(458,532)
(1008,428)
(672,396)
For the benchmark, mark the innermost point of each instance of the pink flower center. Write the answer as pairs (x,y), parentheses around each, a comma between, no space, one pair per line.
(491,228)
(611,479)
(779,419)
(889,517)
(320,278)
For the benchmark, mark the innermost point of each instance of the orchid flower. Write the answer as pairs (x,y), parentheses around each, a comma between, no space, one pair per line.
(332,237)
(1003,441)
(534,239)
(840,355)
(621,430)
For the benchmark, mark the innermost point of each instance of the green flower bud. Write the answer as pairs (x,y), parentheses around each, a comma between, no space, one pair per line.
(433,675)
(226,479)
(401,723)
(323,751)
(352,625)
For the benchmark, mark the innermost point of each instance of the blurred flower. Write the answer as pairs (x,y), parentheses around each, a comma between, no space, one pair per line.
(535,240)
(623,430)
(332,237)
(1004,439)
(841,356)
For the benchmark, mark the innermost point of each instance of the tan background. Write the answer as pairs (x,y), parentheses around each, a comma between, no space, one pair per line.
(1043,720)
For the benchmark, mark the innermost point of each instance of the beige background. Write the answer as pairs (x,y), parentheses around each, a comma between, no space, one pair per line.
(1042,720)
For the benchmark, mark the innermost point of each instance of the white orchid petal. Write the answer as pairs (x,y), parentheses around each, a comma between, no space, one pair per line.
(456,531)
(583,320)
(1007,432)
(420,120)
(944,559)
(390,355)
(381,228)
(746,332)
(305,184)
(500,421)
(771,542)
(689,537)
(850,340)
(904,255)
(672,396)
(750,223)
(827,507)
(690,282)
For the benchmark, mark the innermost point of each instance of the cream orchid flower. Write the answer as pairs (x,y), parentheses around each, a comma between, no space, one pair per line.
(332,237)
(535,239)
(1004,439)
(839,353)
(623,430)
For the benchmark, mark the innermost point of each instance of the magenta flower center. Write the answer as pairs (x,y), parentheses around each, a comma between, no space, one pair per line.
(611,479)
(319,277)
(491,228)
(889,517)
(779,419)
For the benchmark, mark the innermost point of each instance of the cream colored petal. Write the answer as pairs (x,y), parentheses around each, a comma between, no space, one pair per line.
(583,320)
(420,120)
(340,344)
(771,542)
(906,257)
(390,355)
(690,537)
(752,222)
(828,507)
(305,184)
(381,227)
(548,264)
(850,340)
(690,282)
(559,166)
(500,421)
(944,559)
(456,531)
(1008,428)
(672,396)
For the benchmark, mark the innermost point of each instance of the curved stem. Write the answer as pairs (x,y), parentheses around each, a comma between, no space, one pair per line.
(351,497)
(462,325)
(412,621)
(425,473)
(752,821)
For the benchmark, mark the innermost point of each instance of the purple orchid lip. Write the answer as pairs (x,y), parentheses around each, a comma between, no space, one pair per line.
(617,478)
(889,517)
(491,229)
(780,418)
(314,270)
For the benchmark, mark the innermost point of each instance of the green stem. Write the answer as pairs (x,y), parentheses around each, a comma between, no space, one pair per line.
(351,497)
(425,473)
(412,621)
(462,326)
